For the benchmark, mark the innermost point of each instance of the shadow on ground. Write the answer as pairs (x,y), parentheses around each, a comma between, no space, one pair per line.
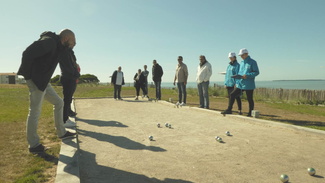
(119,141)
(90,171)
(71,163)
(126,100)
(102,123)
(48,157)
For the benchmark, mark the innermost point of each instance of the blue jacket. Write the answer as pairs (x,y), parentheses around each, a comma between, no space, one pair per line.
(232,70)
(249,68)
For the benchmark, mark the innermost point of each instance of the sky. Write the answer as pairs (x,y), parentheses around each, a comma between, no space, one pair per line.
(285,37)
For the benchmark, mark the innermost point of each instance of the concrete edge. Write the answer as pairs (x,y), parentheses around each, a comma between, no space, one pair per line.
(251,119)
(68,165)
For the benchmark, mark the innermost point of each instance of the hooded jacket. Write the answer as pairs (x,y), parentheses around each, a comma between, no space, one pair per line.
(39,60)
(157,73)
(232,69)
(249,68)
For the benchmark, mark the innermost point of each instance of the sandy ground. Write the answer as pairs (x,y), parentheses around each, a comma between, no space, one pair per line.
(115,147)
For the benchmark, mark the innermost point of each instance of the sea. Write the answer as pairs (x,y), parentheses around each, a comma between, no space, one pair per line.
(284,84)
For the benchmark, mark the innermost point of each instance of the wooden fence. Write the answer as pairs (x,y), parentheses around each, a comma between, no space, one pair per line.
(306,96)
(292,94)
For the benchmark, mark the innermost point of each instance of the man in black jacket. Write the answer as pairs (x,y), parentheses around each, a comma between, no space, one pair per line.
(157,73)
(118,80)
(68,79)
(38,63)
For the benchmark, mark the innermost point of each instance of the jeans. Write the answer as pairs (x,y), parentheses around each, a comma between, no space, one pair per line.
(117,91)
(145,89)
(203,89)
(230,89)
(236,93)
(181,92)
(36,98)
(158,89)
(69,87)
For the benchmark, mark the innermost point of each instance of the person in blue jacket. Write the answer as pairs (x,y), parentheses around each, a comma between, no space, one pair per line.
(230,81)
(248,70)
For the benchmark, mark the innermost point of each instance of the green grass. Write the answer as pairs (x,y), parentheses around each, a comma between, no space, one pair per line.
(17,164)
(302,109)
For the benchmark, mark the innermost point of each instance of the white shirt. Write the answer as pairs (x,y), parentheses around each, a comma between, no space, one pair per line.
(204,73)
(119,78)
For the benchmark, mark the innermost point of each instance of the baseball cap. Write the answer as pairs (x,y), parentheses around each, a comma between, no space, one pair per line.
(242,51)
(231,54)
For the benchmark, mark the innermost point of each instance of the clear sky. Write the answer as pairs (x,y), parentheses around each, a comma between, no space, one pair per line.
(285,37)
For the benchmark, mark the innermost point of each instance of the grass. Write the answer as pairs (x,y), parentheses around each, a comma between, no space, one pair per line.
(18,165)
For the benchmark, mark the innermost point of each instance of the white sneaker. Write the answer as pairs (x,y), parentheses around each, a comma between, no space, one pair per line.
(177,103)
(182,104)
(69,123)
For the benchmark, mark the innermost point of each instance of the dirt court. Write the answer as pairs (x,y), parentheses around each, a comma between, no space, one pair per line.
(113,138)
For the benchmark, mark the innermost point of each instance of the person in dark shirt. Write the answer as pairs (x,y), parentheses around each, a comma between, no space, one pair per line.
(139,82)
(38,64)
(157,73)
(69,76)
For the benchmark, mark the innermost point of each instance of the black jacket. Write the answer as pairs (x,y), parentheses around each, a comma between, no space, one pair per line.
(141,81)
(113,79)
(157,73)
(39,60)
(68,64)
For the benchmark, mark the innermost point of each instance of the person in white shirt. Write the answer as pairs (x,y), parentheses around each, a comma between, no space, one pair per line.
(117,80)
(203,75)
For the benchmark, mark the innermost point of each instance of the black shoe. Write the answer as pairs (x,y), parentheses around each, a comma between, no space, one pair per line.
(68,135)
(38,149)
(72,114)
(226,112)
(240,113)
(249,115)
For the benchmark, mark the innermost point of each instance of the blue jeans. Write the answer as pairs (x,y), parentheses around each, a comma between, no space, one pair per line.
(181,92)
(158,89)
(204,94)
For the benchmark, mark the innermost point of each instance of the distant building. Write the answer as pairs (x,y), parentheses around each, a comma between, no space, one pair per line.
(10,78)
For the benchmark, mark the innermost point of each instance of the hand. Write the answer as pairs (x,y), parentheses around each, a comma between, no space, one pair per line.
(185,82)
(174,83)
(244,76)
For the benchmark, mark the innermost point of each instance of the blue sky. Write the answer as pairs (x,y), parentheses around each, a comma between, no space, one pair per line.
(285,37)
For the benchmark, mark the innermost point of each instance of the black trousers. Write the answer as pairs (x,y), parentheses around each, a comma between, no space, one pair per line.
(237,93)
(117,91)
(143,88)
(238,99)
(69,87)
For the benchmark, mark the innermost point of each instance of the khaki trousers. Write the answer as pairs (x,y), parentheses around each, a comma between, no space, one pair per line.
(36,98)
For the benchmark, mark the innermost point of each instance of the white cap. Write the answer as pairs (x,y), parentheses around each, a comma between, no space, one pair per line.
(242,51)
(231,54)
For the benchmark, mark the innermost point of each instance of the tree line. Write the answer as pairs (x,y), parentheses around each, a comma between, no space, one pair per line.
(85,78)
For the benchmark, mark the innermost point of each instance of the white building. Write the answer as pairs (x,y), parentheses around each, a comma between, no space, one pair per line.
(10,78)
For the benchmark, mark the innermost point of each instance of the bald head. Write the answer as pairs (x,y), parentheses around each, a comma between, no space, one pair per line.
(67,38)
